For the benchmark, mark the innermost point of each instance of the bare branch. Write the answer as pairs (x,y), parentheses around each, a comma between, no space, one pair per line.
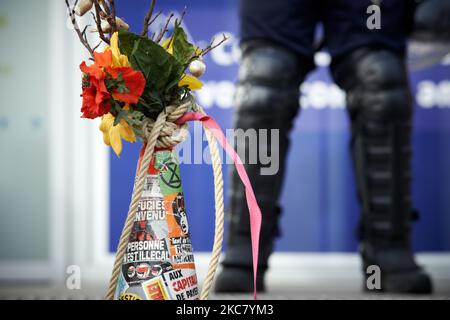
(147,19)
(164,30)
(177,22)
(75,5)
(98,45)
(109,13)
(98,22)
(81,34)
(170,42)
(84,30)
(111,18)
(182,16)
(213,45)
(154,18)
(105,7)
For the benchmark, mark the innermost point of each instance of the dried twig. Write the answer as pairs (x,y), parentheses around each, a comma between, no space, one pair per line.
(97,19)
(105,7)
(177,23)
(170,42)
(155,17)
(182,16)
(98,45)
(111,17)
(213,45)
(148,18)
(153,20)
(164,30)
(81,34)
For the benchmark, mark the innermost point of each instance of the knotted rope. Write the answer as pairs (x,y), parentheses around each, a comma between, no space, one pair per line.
(164,133)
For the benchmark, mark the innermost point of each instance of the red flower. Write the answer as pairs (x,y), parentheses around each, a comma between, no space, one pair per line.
(95,94)
(95,100)
(133,80)
(96,97)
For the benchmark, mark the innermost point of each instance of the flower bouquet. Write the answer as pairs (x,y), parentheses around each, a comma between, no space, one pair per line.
(140,85)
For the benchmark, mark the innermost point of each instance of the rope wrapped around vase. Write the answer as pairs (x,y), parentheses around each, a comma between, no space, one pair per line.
(165,133)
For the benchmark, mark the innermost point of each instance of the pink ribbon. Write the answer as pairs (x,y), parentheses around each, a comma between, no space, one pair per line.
(252,204)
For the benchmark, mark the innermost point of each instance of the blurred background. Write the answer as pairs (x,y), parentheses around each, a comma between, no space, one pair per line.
(64,196)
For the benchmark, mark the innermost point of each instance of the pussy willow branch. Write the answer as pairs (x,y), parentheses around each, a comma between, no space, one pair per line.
(148,18)
(81,34)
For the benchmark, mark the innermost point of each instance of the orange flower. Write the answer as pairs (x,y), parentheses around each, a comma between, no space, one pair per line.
(95,94)
(134,82)
(95,101)
(102,75)
(102,61)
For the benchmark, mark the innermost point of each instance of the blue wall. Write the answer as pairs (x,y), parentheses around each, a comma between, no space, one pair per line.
(320,209)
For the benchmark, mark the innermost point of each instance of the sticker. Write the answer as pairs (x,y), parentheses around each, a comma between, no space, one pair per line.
(182,253)
(170,175)
(131,271)
(148,250)
(129,296)
(155,290)
(150,222)
(156,270)
(143,270)
(121,287)
(159,259)
(169,172)
(151,186)
(176,215)
(182,284)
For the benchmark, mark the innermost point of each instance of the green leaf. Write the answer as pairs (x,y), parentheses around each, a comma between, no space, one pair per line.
(122,114)
(158,66)
(115,107)
(182,48)
(117,120)
(162,71)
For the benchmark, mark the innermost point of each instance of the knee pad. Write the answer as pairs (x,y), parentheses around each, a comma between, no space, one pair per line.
(431,21)
(267,97)
(268,86)
(376,84)
(380,107)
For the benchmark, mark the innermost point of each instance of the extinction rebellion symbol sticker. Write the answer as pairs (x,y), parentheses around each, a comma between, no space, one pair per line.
(170,175)
(169,172)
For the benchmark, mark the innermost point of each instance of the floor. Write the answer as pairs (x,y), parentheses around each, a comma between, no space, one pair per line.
(294,292)
(304,276)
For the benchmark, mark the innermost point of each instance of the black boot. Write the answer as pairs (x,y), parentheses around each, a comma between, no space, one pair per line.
(266,98)
(380,107)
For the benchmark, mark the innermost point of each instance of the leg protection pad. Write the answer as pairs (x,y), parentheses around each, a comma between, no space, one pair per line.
(380,107)
(267,98)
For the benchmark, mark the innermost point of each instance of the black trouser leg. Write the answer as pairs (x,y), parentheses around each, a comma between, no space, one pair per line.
(380,108)
(266,98)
